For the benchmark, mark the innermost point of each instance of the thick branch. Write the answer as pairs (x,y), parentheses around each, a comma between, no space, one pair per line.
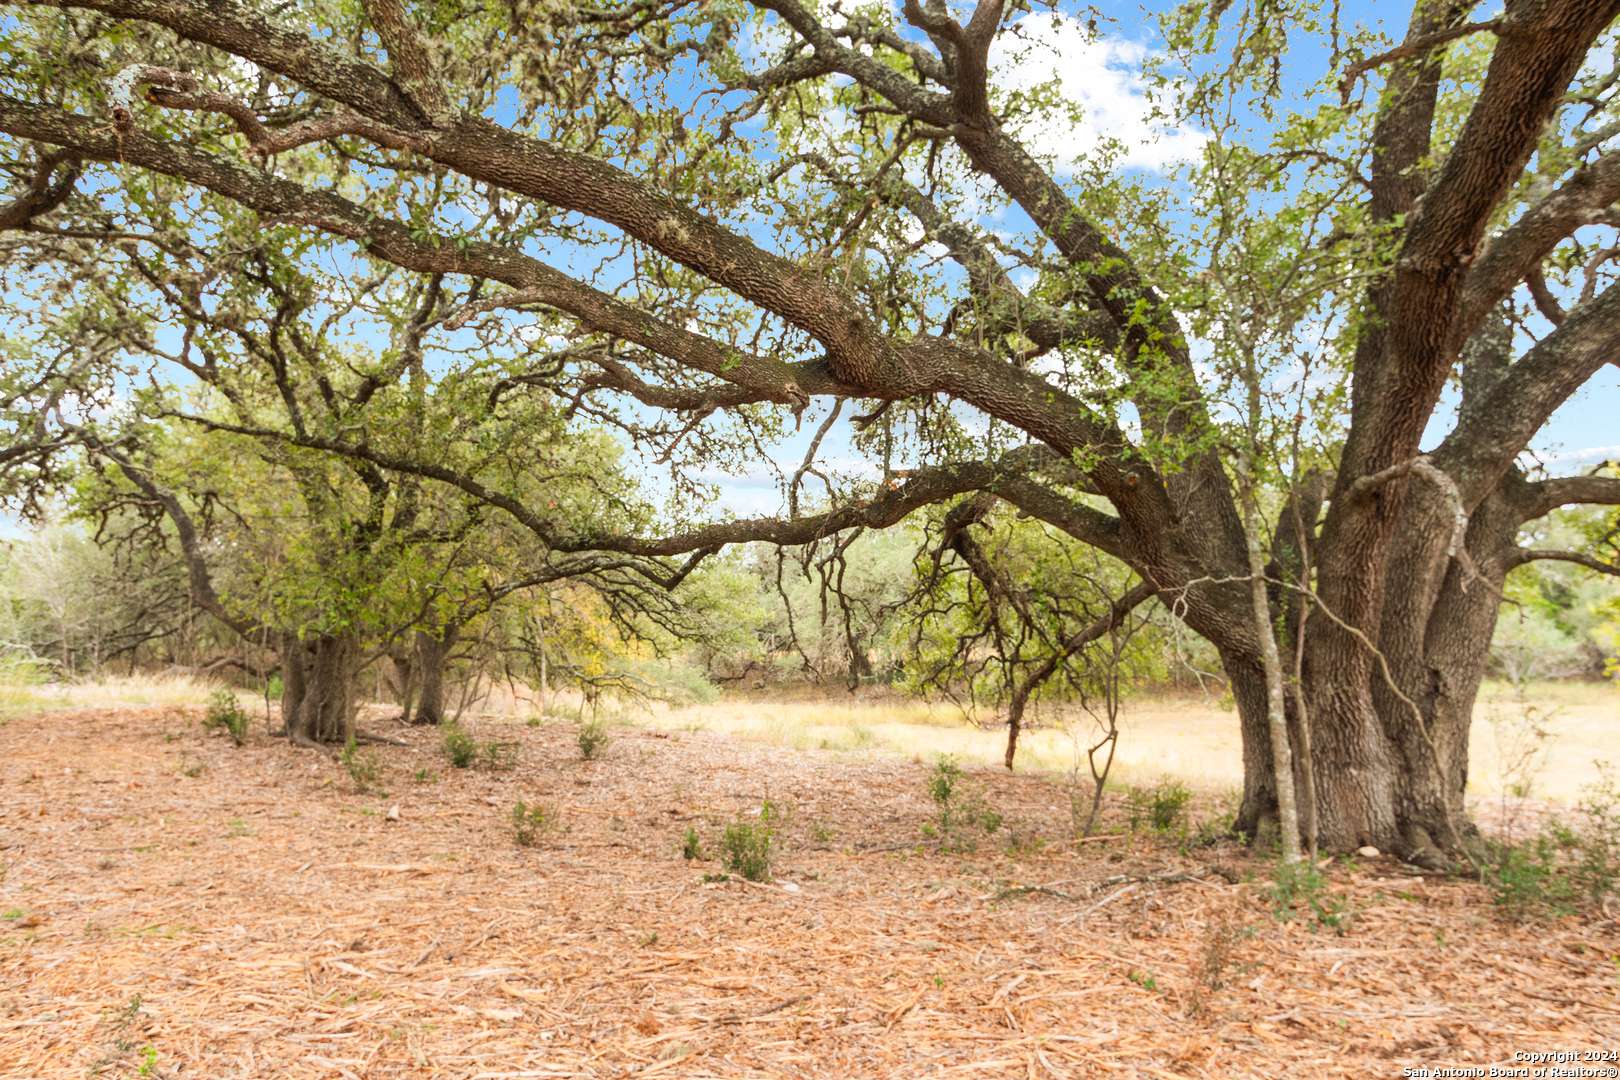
(1411,47)
(1495,428)
(44,193)
(1516,253)
(394,242)
(413,71)
(1527,78)
(203,593)
(1544,496)
(1525,555)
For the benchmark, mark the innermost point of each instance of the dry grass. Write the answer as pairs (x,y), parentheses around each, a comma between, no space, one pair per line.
(1580,724)
(172,904)
(1184,737)
(103,692)
(1190,738)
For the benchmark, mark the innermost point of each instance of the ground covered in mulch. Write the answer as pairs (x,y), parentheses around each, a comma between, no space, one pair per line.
(177,907)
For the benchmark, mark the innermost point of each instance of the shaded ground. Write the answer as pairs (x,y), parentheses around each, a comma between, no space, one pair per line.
(175,905)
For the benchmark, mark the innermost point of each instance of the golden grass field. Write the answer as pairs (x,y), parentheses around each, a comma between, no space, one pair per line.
(1190,738)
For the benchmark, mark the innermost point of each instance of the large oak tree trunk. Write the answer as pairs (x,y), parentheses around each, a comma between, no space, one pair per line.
(317,701)
(1390,728)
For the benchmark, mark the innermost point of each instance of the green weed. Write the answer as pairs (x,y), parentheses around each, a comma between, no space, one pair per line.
(593,739)
(746,847)
(226,713)
(362,767)
(1161,808)
(1302,884)
(531,822)
(961,812)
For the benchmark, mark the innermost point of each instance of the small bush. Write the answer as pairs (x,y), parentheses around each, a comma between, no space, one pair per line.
(464,751)
(1161,808)
(692,845)
(1215,830)
(943,781)
(1216,959)
(1302,883)
(362,767)
(225,713)
(961,812)
(498,756)
(746,846)
(1526,880)
(1566,867)
(593,739)
(530,822)
(460,747)
(1597,842)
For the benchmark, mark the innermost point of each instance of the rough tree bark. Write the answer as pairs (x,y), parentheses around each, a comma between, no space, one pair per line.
(318,693)
(432,656)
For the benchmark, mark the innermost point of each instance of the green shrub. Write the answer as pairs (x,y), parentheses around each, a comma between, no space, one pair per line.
(692,845)
(1302,883)
(498,756)
(1563,869)
(226,713)
(961,812)
(23,670)
(464,751)
(1597,842)
(746,846)
(363,769)
(460,747)
(1526,880)
(593,739)
(1161,808)
(531,822)
(943,780)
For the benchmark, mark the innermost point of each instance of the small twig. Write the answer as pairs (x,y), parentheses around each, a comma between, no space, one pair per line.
(1416,47)
(1176,878)
(737,1018)
(381,740)
(1109,899)
(427,952)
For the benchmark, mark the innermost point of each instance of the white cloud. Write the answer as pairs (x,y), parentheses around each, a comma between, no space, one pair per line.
(1103,77)
(1591,455)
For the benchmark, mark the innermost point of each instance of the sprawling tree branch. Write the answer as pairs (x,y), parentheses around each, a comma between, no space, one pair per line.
(1515,254)
(1494,429)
